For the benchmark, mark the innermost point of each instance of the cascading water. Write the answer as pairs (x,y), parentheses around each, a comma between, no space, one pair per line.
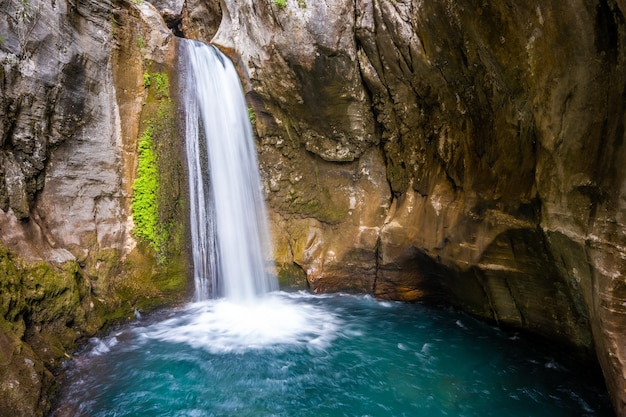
(228,218)
(296,354)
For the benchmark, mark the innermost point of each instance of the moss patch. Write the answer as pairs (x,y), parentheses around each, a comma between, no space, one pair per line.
(157,206)
(148,286)
(162,85)
(291,277)
(155,273)
(44,311)
(145,187)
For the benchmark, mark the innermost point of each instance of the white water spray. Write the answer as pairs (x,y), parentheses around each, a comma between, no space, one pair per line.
(230,239)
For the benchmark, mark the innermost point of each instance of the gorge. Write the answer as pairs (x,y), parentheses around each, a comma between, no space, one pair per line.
(243,348)
(459,151)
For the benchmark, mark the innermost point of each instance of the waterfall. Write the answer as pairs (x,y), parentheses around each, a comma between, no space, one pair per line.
(230,239)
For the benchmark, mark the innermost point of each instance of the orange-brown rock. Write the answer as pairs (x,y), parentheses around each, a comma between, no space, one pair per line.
(499,127)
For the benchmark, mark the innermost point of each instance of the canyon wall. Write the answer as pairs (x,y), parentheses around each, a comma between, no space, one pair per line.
(469,152)
(462,151)
(78,91)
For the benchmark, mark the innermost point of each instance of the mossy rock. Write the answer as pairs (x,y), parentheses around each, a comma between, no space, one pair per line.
(148,285)
(291,277)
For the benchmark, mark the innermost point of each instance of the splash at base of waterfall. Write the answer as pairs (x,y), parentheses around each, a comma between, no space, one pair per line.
(223,326)
(335,355)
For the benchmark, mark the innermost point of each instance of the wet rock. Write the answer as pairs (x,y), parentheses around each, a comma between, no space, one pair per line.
(499,128)
(72,89)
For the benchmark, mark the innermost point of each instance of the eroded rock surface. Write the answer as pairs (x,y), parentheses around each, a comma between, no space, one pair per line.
(73,97)
(493,136)
(471,151)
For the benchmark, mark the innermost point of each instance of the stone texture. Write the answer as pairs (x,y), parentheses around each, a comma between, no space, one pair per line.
(43,100)
(500,129)
(72,90)
(468,151)
(43,310)
(201,19)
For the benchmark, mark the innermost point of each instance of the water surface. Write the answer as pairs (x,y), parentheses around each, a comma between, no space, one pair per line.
(294,354)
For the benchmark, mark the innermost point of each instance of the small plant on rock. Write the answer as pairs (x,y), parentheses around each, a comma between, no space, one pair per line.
(251,116)
(146,79)
(141,42)
(162,83)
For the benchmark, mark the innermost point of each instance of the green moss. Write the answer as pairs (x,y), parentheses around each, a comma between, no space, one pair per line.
(53,298)
(157,205)
(162,83)
(144,204)
(281,4)
(11,303)
(141,42)
(251,116)
(146,79)
(146,287)
(291,276)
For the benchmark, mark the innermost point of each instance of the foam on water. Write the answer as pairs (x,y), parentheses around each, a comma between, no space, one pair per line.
(223,325)
(331,355)
(102,346)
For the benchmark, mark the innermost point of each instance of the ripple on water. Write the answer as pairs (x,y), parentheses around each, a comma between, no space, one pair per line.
(296,354)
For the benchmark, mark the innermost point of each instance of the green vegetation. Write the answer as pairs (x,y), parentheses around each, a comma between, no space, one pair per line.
(146,287)
(162,83)
(146,79)
(281,4)
(291,276)
(25,11)
(52,297)
(157,206)
(144,205)
(141,42)
(251,116)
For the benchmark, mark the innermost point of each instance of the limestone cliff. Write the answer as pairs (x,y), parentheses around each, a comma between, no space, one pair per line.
(80,84)
(470,151)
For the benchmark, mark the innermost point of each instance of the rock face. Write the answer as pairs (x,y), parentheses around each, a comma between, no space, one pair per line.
(324,171)
(468,151)
(74,99)
(461,150)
